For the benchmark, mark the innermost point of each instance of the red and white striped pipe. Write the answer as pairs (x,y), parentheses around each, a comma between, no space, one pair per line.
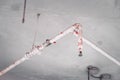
(36,50)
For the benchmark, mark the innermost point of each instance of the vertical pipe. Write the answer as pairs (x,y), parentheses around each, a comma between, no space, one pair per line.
(23,20)
(100,77)
(88,74)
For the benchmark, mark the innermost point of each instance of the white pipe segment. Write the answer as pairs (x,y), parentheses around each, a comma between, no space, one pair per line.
(12,66)
(102,52)
(35,51)
(62,34)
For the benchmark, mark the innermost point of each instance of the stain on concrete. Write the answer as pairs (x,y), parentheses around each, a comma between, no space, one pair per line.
(99,43)
(15,7)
